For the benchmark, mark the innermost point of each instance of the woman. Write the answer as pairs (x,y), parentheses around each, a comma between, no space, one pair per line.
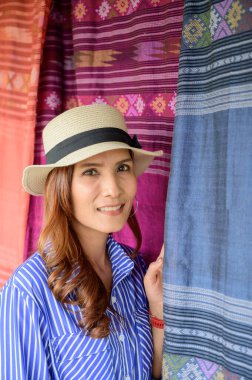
(77,309)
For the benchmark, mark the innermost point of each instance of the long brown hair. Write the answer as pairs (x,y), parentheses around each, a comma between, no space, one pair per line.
(65,256)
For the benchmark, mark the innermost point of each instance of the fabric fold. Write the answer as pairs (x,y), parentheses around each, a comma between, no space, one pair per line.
(207,281)
(22,32)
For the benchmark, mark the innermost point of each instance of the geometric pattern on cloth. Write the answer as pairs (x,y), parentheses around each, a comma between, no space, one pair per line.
(178,367)
(214,70)
(222,19)
(199,319)
(218,78)
(125,54)
(217,43)
(84,10)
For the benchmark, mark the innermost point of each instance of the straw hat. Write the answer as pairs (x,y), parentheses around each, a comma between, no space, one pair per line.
(80,133)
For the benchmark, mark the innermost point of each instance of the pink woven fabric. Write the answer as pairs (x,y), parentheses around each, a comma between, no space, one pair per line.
(124,54)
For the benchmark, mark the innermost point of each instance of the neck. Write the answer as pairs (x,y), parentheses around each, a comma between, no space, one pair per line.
(94,245)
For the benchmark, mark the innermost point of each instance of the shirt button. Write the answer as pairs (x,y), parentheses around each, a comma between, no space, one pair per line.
(121,338)
(127,377)
(113,299)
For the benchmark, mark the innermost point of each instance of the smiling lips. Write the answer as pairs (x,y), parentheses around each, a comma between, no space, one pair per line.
(111,210)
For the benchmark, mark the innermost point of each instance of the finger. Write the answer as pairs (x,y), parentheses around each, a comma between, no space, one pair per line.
(154,271)
(153,279)
(161,252)
(155,265)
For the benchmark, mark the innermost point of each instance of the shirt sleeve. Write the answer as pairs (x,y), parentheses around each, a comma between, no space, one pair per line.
(22,344)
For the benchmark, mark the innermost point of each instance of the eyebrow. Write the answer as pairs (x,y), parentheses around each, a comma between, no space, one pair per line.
(88,164)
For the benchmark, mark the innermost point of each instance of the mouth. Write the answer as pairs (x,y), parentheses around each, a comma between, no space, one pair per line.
(111,210)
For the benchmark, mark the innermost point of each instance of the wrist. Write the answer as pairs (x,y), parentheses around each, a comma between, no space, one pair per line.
(157,310)
(156,322)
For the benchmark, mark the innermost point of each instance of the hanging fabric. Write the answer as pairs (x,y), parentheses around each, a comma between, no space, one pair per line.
(22,27)
(207,276)
(125,54)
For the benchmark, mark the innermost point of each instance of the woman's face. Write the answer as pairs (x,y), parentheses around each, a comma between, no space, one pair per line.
(102,191)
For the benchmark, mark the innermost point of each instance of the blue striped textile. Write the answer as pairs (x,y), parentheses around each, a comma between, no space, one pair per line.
(40,339)
(208,262)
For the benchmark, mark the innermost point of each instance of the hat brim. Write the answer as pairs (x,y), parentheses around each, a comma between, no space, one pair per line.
(34,176)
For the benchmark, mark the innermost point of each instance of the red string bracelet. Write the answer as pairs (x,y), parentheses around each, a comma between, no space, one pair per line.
(156,322)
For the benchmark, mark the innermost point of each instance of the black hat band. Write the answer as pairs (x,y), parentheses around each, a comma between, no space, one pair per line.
(88,138)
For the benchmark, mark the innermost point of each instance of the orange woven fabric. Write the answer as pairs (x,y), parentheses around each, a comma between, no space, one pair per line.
(22,31)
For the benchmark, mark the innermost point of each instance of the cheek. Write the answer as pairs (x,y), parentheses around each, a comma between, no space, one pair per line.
(81,195)
(132,187)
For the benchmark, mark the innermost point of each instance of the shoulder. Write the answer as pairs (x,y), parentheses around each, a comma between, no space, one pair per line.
(30,277)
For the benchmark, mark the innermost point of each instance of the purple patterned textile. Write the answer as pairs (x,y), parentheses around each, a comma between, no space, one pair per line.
(124,53)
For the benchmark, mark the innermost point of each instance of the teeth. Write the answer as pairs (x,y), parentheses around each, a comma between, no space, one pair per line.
(110,208)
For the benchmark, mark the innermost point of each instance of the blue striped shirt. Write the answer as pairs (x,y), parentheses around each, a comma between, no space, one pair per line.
(41,339)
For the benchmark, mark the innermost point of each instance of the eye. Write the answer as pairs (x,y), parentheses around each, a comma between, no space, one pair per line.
(90,172)
(123,168)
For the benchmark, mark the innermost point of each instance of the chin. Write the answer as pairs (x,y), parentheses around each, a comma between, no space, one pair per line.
(117,228)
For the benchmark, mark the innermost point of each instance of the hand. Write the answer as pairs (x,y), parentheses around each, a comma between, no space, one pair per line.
(154,286)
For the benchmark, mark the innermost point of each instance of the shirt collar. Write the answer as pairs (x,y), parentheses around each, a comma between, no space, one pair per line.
(122,264)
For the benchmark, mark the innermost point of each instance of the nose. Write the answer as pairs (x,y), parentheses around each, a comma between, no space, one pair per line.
(111,186)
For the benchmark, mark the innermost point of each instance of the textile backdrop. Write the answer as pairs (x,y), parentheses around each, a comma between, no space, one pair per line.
(22,26)
(207,277)
(124,53)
